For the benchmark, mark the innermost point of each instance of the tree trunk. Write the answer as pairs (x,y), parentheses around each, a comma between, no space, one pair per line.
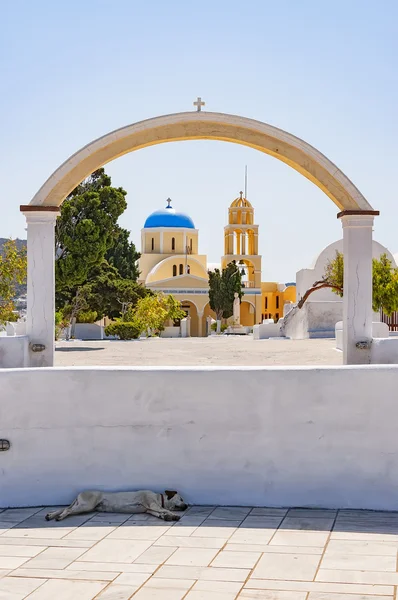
(318,285)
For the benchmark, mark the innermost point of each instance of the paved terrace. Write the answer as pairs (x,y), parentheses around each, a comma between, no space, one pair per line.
(214,350)
(211,554)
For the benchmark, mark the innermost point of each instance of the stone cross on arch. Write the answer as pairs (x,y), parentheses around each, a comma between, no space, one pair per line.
(199,104)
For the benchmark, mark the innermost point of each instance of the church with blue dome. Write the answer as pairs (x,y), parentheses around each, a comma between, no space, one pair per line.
(169,217)
(170,262)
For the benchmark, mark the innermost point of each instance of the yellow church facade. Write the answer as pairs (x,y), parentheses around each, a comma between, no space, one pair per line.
(170,263)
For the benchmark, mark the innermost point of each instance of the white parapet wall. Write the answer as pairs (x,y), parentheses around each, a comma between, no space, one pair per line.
(322,436)
(14,353)
(266,330)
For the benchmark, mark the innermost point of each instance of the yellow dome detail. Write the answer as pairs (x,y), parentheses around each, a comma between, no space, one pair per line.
(241,202)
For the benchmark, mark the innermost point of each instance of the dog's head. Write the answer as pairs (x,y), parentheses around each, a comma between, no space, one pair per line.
(175,501)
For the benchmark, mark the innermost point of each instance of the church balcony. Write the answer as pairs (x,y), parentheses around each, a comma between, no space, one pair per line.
(248,284)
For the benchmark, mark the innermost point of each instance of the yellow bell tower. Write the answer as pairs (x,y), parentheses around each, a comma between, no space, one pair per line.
(241,245)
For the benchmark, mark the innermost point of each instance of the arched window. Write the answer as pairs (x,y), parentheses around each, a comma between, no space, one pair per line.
(153,244)
(188,269)
(181,269)
(174,270)
(266,302)
(190,245)
(277,302)
(173,243)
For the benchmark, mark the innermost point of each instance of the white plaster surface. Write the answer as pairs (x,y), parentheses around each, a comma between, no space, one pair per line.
(305,278)
(14,351)
(379,330)
(266,330)
(41,282)
(313,320)
(384,351)
(317,436)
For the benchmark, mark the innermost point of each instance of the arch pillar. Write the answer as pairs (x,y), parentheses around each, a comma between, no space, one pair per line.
(357,285)
(41,283)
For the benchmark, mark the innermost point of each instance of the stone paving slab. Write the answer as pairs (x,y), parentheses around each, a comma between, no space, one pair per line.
(213,553)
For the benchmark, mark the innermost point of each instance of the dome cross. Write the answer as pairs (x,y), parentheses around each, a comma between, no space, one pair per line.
(199,104)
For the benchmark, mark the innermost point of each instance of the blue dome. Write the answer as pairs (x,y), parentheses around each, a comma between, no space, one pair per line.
(169,217)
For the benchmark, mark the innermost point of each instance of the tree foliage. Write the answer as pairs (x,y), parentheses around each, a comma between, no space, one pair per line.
(123,255)
(12,273)
(152,312)
(384,282)
(86,229)
(222,288)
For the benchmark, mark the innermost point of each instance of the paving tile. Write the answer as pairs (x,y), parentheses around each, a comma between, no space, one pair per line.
(240,560)
(67,590)
(54,558)
(230,512)
(328,596)
(251,536)
(199,510)
(163,589)
(111,518)
(261,522)
(211,595)
(369,577)
(362,562)
(117,592)
(205,573)
(337,547)
(17,588)
(361,536)
(116,551)
(117,567)
(217,586)
(134,579)
(307,523)
(6,541)
(299,538)
(37,532)
(313,513)
(317,586)
(272,595)
(211,530)
(190,542)
(137,533)
(28,551)
(156,555)
(268,512)
(4,572)
(192,557)
(273,549)
(16,515)
(12,562)
(300,567)
(65,574)
(91,532)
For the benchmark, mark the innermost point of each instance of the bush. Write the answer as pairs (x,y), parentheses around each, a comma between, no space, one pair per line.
(124,331)
(88,316)
(223,327)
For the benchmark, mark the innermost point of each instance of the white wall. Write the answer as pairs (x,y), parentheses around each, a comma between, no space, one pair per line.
(14,352)
(268,436)
(307,277)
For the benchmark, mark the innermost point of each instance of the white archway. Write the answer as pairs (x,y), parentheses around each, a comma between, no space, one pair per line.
(357,214)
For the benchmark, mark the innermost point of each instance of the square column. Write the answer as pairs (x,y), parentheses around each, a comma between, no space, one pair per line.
(357,285)
(41,283)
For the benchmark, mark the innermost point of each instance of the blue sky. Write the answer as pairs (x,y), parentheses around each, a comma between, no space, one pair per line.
(324,71)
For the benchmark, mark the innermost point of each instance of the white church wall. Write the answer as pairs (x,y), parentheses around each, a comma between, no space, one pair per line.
(303,436)
(307,277)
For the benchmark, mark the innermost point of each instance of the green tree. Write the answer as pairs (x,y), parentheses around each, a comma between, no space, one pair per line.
(86,229)
(12,273)
(384,283)
(222,288)
(152,312)
(123,255)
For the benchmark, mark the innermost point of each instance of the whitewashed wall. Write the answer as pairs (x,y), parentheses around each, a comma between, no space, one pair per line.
(266,436)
